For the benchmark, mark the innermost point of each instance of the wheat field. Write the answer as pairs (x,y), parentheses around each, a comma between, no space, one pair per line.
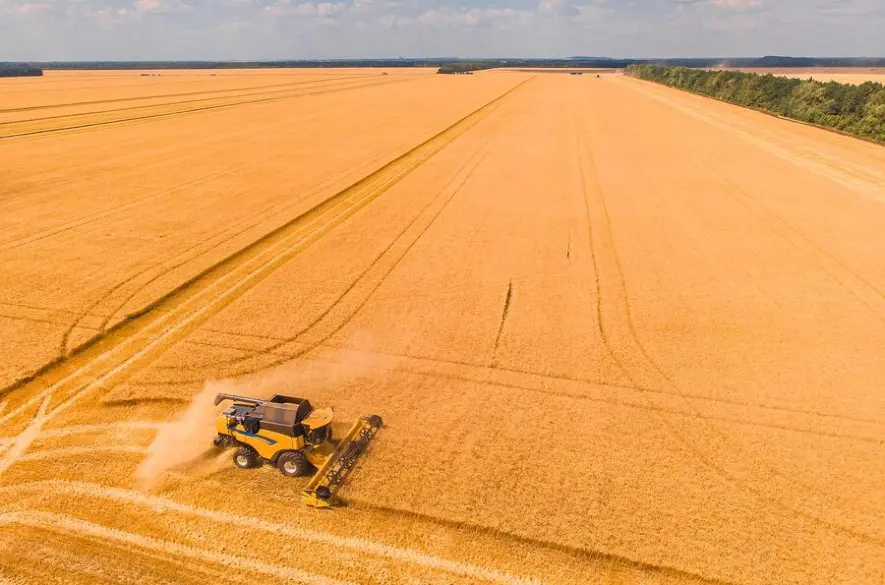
(618,333)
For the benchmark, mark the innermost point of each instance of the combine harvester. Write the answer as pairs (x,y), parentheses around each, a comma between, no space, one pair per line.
(294,436)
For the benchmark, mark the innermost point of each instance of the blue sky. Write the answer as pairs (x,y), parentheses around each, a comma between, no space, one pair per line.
(272,29)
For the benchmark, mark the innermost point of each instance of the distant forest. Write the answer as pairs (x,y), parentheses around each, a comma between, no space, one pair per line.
(19,70)
(443,64)
(452,64)
(858,110)
(603,63)
(293,64)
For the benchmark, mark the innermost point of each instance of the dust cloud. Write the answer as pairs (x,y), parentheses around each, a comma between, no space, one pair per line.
(182,440)
(188,438)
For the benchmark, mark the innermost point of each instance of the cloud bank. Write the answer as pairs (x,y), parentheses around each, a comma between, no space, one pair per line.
(299,29)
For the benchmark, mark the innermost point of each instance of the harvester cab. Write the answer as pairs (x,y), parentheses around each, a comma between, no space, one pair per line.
(296,437)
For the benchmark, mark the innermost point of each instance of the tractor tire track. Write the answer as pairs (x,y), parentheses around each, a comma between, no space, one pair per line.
(179,328)
(864,181)
(475,160)
(509,370)
(177,380)
(79,452)
(250,222)
(542,375)
(145,336)
(350,316)
(817,254)
(356,544)
(672,383)
(68,525)
(40,320)
(74,430)
(168,95)
(151,117)
(107,212)
(366,168)
(62,432)
(73,116)
(29,307)
(150,168)
(591,556)
(21,442)
(771,502)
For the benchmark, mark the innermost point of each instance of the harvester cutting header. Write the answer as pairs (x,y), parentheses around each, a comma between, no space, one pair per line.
(296,437)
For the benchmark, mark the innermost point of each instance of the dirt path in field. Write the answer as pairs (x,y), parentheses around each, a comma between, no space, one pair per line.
(617,333)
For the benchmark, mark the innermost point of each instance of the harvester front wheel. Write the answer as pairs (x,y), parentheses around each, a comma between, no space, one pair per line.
(294,464)
(246,458)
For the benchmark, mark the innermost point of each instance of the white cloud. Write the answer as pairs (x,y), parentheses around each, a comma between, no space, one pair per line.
(378,5)
(146,5)
(320,9)
(476,17)
(558,8)
(739,4)
(162,6)
(32,8)
(734,23)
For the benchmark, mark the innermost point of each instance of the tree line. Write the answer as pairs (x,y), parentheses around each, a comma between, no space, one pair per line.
(854,109)
(19,70)
(462,68)
(284,64)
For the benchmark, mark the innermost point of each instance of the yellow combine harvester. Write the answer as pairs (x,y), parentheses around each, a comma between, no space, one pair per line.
(294,436)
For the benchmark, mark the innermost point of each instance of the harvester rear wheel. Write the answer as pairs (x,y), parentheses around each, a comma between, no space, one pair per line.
(246,458)
(294,464)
